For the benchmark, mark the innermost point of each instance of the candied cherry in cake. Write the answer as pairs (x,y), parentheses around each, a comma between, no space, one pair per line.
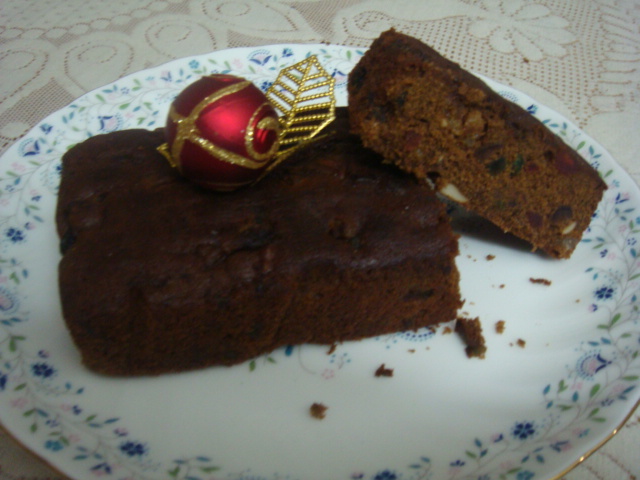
(565,163)
(222,132)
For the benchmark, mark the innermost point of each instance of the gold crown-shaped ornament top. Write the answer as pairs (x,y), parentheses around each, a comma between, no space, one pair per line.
(303,95)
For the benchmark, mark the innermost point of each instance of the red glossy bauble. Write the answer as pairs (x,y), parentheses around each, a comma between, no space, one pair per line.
(222,132)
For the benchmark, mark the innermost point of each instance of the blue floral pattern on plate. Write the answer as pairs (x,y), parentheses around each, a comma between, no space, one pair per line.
(582,383)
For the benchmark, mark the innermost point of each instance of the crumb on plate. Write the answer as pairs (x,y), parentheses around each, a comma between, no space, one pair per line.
(318,410)
(383,371)
(470,331)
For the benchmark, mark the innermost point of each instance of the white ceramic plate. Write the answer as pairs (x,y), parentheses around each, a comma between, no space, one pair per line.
(520,413)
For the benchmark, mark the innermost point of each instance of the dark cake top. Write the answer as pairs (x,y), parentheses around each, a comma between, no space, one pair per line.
(282,219)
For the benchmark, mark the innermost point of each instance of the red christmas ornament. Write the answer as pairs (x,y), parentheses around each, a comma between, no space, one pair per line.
(222,132)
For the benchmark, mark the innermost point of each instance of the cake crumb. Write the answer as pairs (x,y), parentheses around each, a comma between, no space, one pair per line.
(412,350)
(470,331)
(318,410)
(383,371)
(446,330)
(490,257)
(521,343)
(332,349)
(500,326)
(502,285)
(541,281)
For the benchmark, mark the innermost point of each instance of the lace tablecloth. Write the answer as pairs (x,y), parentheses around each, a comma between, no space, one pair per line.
(581,58)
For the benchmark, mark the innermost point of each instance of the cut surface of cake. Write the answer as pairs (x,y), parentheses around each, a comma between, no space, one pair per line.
(159,275)
(430,117)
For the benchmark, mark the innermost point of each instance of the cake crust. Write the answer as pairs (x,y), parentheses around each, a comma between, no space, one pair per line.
(158,275)
(430,117)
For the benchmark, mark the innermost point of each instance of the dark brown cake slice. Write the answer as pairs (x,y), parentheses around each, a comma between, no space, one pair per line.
(158,275)
(432,118)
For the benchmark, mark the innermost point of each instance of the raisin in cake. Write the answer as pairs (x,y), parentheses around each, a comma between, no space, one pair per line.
(158,275)
(432,118)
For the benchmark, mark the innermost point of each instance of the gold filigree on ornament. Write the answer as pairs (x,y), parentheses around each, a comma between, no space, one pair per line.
(188,131)
(265,123)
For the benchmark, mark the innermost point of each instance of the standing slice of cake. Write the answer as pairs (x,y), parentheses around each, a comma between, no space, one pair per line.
(432,118)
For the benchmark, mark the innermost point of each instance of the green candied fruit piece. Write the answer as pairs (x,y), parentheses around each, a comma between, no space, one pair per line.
(497,166)
(517,164)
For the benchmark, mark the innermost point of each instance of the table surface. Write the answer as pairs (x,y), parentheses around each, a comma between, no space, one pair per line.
(579,57)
